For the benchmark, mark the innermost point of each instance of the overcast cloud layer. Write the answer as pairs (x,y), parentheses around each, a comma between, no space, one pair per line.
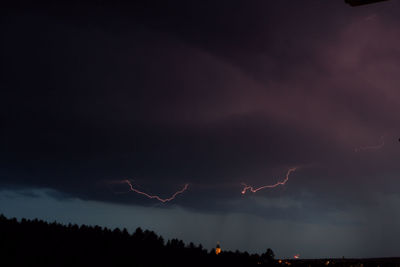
(213,95)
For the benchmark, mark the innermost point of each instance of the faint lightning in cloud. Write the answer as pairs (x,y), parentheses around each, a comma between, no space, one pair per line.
(163,200)
(253,190)
(373,147)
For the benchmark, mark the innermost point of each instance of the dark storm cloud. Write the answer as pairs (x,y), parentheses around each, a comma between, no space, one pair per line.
(202,93)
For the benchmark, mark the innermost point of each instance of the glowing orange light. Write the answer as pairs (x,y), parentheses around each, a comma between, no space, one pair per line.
(296,256)
(217,249)
(253,190)
(155,196)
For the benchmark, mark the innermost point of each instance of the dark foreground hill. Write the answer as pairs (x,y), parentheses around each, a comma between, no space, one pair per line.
(38,243)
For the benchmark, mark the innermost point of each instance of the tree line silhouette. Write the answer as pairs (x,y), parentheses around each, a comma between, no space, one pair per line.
(38,243)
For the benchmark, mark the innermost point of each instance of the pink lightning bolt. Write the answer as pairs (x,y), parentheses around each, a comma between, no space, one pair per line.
(163,200)
(252,189)
(375,147)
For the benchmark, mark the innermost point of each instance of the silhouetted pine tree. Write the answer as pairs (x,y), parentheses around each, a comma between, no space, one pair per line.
(38,243)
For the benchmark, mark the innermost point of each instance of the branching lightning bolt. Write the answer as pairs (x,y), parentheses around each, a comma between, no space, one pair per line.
(163,200)
(253,190)
(375,147)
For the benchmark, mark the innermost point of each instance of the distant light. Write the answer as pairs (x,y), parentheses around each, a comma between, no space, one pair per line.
(296,256)
(217,249)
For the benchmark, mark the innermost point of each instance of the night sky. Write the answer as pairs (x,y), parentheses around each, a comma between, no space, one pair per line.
(212,94)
